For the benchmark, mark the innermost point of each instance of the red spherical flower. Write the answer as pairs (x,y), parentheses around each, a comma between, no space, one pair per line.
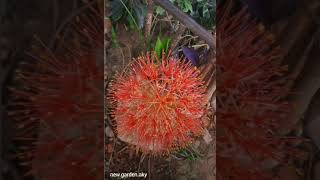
(57,103)
(158,104)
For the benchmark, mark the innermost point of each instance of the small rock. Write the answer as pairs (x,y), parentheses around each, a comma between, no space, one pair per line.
(168,159)
(109,148)
(196,144)
(107,25)
(207,136)
(109,132)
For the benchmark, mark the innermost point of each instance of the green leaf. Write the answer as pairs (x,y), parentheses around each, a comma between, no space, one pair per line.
(160,10)
(117,10)
(129,13)
(131,23)
(188,5)
(159,47)
(185,5)
(162,46)
(205,12)
(114,37)
(167,42)
(140,12)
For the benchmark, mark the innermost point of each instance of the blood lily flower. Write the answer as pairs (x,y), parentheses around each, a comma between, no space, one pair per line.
(158,104)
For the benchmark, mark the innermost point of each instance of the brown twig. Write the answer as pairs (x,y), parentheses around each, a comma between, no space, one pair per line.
(149,18)
(188,22)
(176,39)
